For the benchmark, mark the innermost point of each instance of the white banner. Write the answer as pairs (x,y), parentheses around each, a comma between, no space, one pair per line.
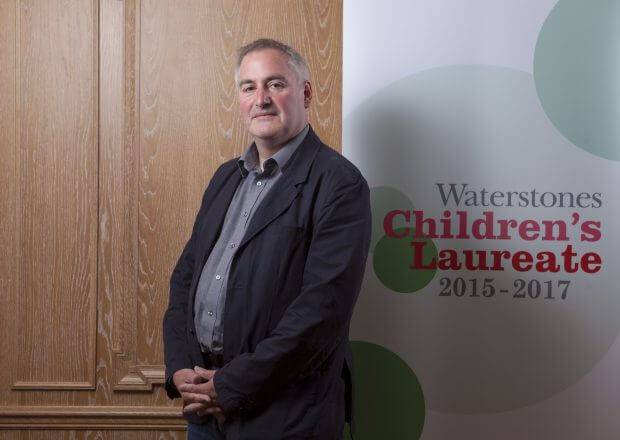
(489,133)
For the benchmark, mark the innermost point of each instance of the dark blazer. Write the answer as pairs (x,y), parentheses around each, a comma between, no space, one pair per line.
(292,286)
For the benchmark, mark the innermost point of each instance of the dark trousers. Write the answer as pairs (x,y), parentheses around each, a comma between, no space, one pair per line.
(209,431)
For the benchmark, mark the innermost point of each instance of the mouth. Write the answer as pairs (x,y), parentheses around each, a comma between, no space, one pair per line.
(264,116)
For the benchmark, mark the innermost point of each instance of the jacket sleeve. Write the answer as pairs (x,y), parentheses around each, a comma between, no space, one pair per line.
(176,350)
(316,322)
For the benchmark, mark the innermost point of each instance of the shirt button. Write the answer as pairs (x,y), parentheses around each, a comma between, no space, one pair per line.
(210,313)
(259,183)
(245,213)
(232,245)
(217,277)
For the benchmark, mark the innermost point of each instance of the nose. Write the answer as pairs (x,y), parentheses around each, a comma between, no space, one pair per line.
(263,99)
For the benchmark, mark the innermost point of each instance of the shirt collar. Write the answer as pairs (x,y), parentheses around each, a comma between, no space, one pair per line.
(249,160)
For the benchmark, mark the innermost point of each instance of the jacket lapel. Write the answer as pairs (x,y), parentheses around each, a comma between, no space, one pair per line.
(286,189)
(214,216)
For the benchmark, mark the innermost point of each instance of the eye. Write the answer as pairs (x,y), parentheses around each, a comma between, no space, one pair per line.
(247,88)
(276,85)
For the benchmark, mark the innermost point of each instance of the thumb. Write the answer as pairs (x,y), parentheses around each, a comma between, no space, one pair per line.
(195,379)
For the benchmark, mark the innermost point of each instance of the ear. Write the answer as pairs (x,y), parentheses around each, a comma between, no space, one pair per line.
(307,93)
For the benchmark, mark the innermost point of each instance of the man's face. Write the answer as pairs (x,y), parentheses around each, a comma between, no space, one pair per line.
(272,98)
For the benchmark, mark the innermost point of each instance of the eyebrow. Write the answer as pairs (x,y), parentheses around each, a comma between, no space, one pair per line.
(269,78)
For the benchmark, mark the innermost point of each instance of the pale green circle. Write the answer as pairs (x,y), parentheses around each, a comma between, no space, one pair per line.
(392,262)
(384,199)
(577,73)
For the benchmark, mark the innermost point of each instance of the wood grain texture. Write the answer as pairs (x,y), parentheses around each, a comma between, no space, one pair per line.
(115,114)
(57,195)
(114,244)
(117,222)
(96,417)
(9,278)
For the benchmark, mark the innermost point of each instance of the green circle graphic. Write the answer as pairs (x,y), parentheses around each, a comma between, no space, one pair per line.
(389,403)
(392,261)
(384,199)
(577,73)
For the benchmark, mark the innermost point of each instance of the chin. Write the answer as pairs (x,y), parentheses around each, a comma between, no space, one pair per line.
(265,132)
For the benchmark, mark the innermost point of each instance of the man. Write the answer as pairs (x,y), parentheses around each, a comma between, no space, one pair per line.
(256,331)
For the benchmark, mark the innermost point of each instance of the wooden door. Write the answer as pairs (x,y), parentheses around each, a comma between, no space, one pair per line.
(113,117)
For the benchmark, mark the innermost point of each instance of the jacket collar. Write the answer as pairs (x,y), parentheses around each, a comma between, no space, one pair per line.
(286,189)
(298,166)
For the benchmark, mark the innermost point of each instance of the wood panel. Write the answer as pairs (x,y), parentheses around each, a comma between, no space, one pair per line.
(97,417)
(56,221)
(118,222)
(8,200)
(115,114)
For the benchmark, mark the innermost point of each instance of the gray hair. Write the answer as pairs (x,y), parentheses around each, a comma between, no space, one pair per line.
(296,61)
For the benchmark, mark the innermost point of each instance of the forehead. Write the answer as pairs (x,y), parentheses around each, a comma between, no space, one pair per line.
(265,63)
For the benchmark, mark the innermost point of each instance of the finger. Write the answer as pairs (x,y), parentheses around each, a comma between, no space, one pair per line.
(201,412)
(207,374)
(193,408)
(195,398)
(190,388)
(195,379)
(204,405)
(187,398)
(214,410)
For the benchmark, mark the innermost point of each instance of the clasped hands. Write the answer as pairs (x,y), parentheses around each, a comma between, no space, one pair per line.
(198,393)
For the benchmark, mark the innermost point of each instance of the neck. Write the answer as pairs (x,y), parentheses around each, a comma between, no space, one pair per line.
(267,149)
